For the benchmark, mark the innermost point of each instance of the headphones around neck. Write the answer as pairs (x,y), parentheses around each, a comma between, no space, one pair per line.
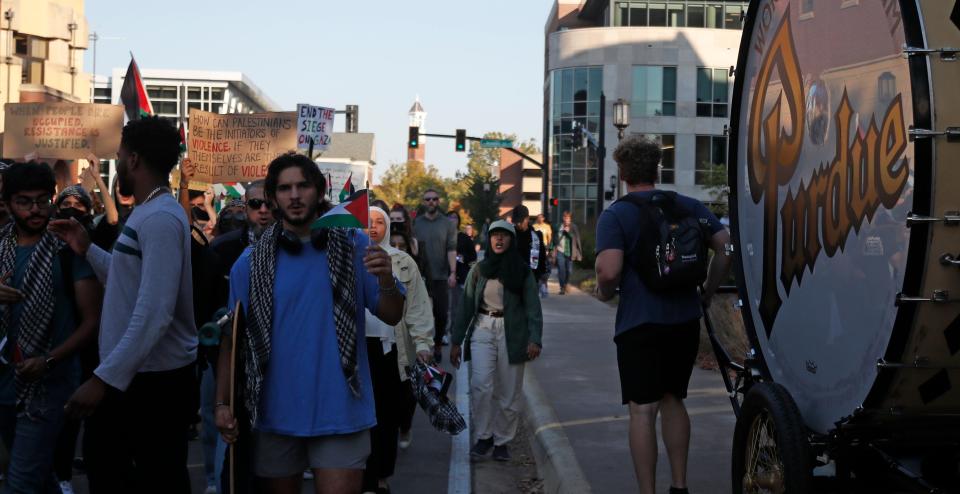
(291,243)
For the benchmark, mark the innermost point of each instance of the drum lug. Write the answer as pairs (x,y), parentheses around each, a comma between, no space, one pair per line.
(939,297)
(947,54)
(949,260)
(950,218)
(952,133)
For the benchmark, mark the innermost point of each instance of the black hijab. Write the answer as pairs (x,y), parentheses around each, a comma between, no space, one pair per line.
(507,267)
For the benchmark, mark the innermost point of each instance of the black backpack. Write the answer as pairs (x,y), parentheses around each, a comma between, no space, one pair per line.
(671,253)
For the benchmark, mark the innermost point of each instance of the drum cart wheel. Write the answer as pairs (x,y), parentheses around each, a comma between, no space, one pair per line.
(770,449)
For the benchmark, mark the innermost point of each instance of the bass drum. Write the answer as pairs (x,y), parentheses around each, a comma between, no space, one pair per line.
(843,179)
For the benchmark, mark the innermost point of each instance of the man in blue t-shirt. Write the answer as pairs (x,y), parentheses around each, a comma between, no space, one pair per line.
(49,307)
(656,335)
(307,384)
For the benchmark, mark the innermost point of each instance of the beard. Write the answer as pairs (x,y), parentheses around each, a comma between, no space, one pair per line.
(307,217)
(124,183)
(24,225)
(432,209)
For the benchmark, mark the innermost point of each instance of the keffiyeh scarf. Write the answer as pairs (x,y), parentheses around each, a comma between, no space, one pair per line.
(263,266)
(34,335)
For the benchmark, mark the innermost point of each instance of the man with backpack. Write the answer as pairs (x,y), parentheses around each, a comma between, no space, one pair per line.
(652,245)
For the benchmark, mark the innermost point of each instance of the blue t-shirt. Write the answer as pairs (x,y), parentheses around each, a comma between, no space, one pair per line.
(304,391)
(617,229)
(65,377)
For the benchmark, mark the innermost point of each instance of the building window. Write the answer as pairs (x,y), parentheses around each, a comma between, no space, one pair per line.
(575,101)
(33,51)
(712,92)
(711,160)
(681,13)
(886,87)
(654,91)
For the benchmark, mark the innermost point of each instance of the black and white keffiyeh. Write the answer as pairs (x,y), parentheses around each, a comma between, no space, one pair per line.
(263,266)
(34,334)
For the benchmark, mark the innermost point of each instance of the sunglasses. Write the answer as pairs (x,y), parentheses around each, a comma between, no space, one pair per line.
(431,199)
(256,203)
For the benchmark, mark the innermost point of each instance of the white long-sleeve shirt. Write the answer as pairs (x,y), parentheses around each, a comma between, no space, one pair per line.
(147,323)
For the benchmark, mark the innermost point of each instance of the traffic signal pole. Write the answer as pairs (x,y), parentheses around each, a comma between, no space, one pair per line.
(477,139)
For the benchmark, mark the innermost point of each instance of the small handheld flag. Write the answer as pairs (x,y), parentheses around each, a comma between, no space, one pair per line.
(353,212)
(348,189)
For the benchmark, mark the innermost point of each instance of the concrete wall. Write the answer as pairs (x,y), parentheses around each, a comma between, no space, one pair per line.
(619,49)
(514,183)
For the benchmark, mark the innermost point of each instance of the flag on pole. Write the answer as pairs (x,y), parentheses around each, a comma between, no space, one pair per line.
(183,137)
(348,189)
(352,212)
(133,95)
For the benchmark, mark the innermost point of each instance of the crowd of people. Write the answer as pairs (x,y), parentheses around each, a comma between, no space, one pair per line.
(103,291)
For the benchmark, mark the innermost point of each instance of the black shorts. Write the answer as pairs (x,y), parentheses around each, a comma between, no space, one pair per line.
(657,359)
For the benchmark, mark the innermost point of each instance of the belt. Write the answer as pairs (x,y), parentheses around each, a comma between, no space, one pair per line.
(491,313)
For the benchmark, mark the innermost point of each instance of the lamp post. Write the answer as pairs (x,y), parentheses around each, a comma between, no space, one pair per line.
(621,116)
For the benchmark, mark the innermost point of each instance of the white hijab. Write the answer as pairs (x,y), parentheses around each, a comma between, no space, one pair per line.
(376,328)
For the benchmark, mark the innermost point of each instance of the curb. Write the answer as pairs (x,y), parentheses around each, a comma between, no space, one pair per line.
(556,461)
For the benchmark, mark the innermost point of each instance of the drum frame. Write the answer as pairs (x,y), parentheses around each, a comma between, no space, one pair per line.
(869,431)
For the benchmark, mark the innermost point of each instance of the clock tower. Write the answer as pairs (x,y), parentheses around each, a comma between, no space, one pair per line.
(417,119)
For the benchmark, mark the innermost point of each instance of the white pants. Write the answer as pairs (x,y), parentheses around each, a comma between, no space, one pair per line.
(495,384)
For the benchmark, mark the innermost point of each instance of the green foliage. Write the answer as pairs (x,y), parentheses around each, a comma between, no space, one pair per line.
(404,183)
(480,189)
(716,184)
(588,242)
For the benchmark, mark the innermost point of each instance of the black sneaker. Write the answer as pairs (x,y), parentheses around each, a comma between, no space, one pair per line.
(482,447)
(501,453)
(438,357)
(677,490)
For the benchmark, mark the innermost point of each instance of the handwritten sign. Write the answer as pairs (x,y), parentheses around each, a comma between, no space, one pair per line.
(63,131)
(314,122)
(238,147)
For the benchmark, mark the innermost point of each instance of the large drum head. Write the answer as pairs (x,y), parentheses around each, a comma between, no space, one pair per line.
(822,181)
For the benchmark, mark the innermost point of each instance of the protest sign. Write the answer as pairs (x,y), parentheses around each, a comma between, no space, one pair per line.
(238,147)
(314,122)
(62,131)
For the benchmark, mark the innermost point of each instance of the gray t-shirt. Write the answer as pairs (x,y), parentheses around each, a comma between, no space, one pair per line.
(435,237)
(147,323)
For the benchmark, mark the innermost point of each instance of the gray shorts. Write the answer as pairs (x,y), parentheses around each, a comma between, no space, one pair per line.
(277,455)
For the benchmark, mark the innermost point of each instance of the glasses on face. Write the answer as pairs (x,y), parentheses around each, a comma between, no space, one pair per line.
(26,204)
(431,199)
(256,203)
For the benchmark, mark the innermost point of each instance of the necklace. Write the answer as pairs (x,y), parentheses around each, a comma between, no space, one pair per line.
(154,193)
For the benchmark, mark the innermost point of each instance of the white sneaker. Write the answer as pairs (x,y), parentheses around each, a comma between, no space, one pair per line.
(405,439)
(308,474)
(66,487)
(211,489)
(446,339)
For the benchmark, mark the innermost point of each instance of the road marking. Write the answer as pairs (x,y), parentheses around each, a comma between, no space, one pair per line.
(619,418)
(459,481)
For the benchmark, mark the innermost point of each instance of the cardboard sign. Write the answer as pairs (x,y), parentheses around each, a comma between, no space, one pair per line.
(63,131)
(314,122)
(238,147)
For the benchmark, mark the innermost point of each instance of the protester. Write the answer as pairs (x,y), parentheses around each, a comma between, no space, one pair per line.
(141,393)
(466,256)
(546,231)
(108,225)
(91,181)
(657,334)
(4,213)
(400,216)
(408,405)
(49,308)
(437,238)
(567,250)
(390,351)
(530,243)
(232,217)
(310,286)
(501,321)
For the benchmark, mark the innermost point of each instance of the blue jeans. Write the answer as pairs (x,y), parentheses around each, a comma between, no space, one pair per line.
(208,391)
(564,267)
(31,441)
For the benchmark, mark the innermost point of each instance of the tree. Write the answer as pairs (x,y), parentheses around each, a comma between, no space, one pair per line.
(715,182)
(480,194)
(404,183)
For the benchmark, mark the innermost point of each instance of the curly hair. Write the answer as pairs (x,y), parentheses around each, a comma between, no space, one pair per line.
(156,140)
(638,159)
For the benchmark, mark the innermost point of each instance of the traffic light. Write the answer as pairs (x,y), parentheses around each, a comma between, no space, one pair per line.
(554,202)
(461,140)
(414,141)
(577,138)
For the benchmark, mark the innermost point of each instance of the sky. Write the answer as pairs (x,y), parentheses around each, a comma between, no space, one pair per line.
(475,65)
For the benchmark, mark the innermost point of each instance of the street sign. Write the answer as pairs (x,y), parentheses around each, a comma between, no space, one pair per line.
(496,143)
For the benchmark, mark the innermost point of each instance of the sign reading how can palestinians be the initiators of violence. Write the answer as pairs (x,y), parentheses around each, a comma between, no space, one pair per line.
(63,131)
(238,147)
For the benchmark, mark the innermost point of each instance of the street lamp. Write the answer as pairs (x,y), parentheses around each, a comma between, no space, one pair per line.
(621,116)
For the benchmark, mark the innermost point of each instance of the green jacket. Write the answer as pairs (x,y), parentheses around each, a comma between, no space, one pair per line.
(523,319)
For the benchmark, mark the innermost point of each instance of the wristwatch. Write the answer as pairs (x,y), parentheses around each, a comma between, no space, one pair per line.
(49,362)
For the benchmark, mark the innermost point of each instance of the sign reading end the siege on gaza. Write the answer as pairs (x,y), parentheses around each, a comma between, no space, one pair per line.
(238,147)
(62,131)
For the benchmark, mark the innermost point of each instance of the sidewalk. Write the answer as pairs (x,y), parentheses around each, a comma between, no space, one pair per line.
(578,374)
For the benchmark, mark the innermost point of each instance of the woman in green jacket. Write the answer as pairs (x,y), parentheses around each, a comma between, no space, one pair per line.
(501,321)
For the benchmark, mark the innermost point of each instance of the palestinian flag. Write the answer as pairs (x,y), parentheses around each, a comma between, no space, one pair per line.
(352,212)
(133,95)
(348,189)
(183,137)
